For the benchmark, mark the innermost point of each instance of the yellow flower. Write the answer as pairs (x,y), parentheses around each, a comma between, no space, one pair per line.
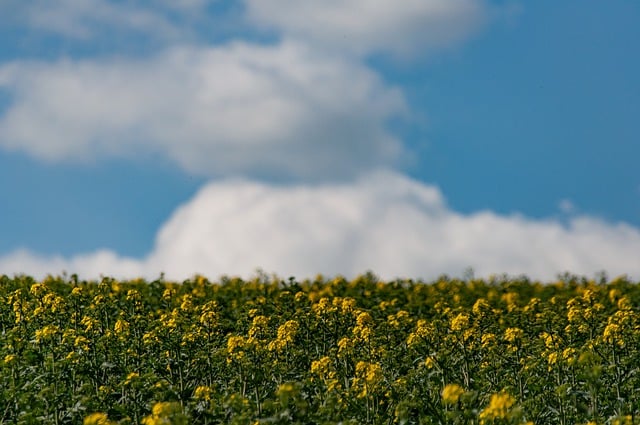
(288,331)
(81,342)
(286,334)
(613,334)
(569,355)
(364,319)
(38,289)
(498,408)
(321,366)
(368,377)
(121,327)
(396,320)
(460,322)
(488,340)
(165,413)
(202,393)
(9,358)
(550,341)
(623,420)
(89,323)
(511,299)
(348,305)
(131,377)
(97,418)
(345,346)
(624,303)
(480,307)
(46,333)
(187,303)
(423,330)
(323,306)
(430,363)
(259,325)
(234,342)
(451,393)
(513,335)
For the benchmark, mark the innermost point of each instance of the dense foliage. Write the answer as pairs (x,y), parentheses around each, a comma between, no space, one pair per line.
(323,351)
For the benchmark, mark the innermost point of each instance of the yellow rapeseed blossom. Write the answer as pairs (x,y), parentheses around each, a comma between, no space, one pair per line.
(288,331)
(38,289)
(97,418)
(131,378)
(323,307)
(368,378)
(133,295)
(348,305)
(203,392)
(498,408)
(624,303)
(398,319)
(187,303)
(513,335)
(121,328)
(569,355)
(90,324)
(430,363)
(481,307)
(286,335)
(511,300)
(451,393)
(165,413)
(623,420)
(364,319)
(259,326)
(550,341)
(488,339)
(423,330)
(460,322)
(81,342)
(613,334)
(321,366)
(46,333)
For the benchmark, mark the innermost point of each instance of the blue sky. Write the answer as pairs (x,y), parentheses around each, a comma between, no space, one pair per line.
(216,137)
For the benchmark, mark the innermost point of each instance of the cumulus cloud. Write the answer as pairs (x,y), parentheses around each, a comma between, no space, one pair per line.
(384,222)
(280,110)
(365,26)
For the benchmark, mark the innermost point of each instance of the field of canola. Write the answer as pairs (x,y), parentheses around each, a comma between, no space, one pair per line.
(322,351)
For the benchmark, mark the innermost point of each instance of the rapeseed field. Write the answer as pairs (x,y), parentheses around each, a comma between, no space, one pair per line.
(321,351)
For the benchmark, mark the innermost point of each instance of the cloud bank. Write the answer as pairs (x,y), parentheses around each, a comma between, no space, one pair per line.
(383,222)
(238,109)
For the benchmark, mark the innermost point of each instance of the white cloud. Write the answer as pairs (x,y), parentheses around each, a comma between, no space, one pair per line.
(81,19)
(365,26)
(280,110)
(384,222)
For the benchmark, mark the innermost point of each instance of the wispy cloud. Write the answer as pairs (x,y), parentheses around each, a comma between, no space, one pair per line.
(364,26)
(79,19)
(383,222)
(280,110)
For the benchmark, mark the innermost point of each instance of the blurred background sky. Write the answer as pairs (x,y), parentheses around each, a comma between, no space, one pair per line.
(219,136)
